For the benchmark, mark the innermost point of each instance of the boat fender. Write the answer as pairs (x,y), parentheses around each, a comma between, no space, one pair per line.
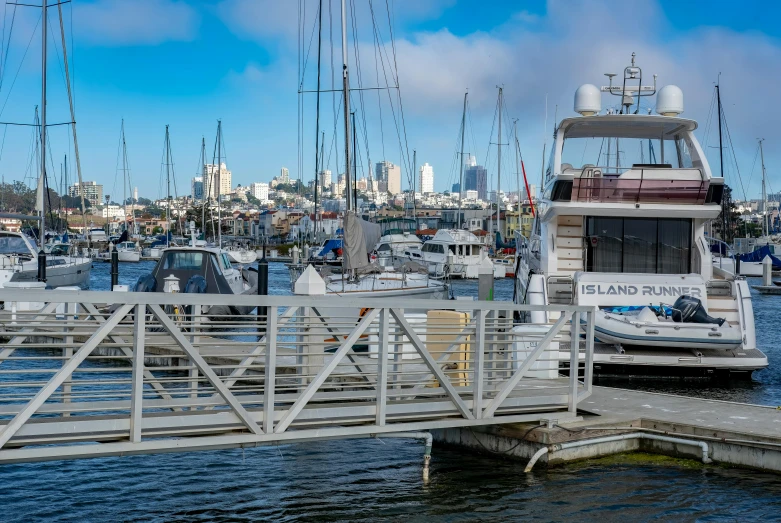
(195,285)
(146,283)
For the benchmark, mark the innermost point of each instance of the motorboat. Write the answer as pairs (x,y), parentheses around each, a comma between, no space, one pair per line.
(455,252)
(627,229)
(390,250)
(19,263)
(128,252)
(504,265)
(199,269)
(240,254)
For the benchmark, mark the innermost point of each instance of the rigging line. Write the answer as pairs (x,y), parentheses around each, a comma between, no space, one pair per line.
(333,89)
(732,147)
(7,45)
(2,145)
(2,109)
(377,76)
(395,119)
(309,49)
(708,120)
(395,76)
(361,88)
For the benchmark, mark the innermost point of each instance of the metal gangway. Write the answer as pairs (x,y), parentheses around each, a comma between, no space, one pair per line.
(86,374)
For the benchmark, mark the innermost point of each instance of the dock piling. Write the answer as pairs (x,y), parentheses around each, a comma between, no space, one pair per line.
(262,286)
(114,267)
(41,266)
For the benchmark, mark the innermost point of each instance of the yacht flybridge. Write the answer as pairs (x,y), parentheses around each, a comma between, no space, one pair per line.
(621,226)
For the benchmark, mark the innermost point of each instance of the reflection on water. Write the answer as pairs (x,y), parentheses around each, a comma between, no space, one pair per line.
(376,480)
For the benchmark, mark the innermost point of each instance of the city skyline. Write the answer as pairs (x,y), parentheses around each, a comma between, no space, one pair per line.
(252,87)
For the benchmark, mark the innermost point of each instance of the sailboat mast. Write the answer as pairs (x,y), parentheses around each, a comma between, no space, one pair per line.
(44,32)
(346,94)
(414,174)
(124,171)
(219,183)
(204,185)
(764,190)
(168,186)
(499,164)
(461,176)
(721,148)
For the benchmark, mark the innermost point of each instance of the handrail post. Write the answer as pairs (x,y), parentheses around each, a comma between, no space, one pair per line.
(574,355)
(137,377)
(588,371)
(382,368)
(477,384)
(270,370)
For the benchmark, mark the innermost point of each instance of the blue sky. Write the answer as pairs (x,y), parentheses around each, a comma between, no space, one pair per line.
(189,63)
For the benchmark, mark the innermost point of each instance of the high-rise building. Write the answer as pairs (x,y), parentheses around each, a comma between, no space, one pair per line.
(476,179)
(325,179)
(426,179)
(388,177)
(212,180)
(284,175)
(456,189)
(93,192)
(259,191)
(196,188)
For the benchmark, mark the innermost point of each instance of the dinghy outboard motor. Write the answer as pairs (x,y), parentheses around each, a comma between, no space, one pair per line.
(688,309)
(146,283)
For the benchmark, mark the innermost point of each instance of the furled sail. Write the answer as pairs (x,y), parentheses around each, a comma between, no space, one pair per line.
(358,234)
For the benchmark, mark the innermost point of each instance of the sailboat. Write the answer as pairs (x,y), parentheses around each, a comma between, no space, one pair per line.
(360,278)
(18,257)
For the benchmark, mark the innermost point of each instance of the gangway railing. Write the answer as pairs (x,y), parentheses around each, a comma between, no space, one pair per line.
(86,374)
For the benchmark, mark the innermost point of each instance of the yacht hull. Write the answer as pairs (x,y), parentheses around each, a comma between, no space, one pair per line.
(76,274)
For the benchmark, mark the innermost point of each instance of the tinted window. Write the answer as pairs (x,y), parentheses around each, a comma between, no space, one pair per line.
(638,245)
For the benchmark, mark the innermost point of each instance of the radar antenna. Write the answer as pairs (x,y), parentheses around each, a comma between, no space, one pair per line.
(632,74)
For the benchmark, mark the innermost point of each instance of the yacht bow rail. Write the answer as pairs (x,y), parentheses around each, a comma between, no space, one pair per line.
(86,374)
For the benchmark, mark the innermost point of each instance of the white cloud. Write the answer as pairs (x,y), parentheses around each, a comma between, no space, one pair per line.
(135,22)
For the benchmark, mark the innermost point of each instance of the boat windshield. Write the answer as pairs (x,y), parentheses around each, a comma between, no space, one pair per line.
(14,245)
(614,155)
(183,261)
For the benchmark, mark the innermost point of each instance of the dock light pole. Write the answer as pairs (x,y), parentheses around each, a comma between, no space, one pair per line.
(263,288)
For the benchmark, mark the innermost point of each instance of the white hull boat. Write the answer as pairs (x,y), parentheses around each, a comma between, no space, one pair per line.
(647,330)
(241,256)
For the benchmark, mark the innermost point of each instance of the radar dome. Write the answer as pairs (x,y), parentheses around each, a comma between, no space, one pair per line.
(588,100)
(669,101)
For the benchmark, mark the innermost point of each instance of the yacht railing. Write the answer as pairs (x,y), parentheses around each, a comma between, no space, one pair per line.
(615,189)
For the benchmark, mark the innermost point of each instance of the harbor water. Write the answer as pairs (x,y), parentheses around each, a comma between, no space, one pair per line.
(380,480)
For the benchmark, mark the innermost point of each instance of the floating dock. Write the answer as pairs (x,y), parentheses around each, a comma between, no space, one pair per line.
(615,421)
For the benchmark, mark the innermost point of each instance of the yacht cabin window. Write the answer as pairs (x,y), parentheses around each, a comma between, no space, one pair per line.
(183,261)
(638,245)
(614,155)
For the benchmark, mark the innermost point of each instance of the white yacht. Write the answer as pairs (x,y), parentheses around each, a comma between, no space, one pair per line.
(621,225)
(466,249)
(390,250)
(240,254)
(19,263)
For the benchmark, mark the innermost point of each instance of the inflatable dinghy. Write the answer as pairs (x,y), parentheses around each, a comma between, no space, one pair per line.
(684,325)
